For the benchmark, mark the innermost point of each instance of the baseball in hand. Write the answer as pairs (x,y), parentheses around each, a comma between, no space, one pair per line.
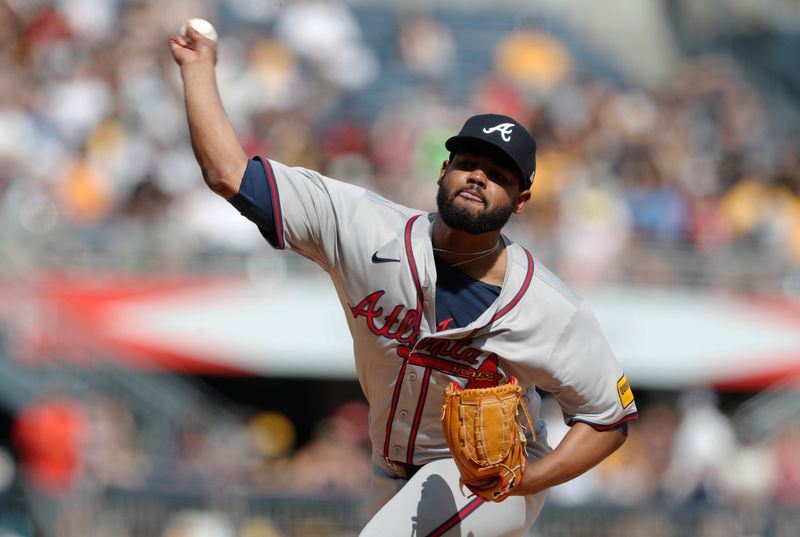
(201,26)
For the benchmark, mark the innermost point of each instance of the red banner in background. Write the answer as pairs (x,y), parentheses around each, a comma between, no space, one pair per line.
(76,319)
(664,338)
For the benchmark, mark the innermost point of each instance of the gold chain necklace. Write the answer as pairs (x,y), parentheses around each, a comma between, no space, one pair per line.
(478,255)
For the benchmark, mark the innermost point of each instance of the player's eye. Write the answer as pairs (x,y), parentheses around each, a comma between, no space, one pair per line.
(499,177)
(466,165)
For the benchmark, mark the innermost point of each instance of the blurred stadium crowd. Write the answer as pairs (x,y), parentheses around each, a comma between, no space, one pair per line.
(96,167)
(95,155)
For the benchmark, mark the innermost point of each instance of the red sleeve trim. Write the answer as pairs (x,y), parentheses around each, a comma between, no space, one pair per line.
(602,427)
(276,203)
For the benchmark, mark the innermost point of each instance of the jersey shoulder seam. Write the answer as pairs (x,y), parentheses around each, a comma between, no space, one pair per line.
(545,276)
(565,329)
(401,210)
(575,300)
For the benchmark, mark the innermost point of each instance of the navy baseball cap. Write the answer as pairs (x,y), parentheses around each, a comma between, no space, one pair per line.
(504,133)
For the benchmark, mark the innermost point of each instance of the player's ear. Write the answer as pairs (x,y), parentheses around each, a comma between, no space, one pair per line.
(522,199)
(443,170)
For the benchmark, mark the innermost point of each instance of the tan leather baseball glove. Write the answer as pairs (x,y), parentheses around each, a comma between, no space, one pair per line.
(486,438)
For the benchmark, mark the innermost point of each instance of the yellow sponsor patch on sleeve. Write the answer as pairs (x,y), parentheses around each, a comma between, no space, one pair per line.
(625,392)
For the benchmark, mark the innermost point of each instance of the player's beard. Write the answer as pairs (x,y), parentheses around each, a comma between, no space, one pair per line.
(463,219)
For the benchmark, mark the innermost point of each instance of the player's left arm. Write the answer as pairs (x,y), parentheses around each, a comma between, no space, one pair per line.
(595,398)
(582,448)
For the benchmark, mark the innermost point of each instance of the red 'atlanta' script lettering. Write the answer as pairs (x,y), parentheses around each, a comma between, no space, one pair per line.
(392,326)
(402,325)
(450,348)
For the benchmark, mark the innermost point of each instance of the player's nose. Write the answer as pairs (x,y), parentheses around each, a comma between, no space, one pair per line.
(478,177)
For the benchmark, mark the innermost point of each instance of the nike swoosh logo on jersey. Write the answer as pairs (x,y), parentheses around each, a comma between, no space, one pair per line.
(376,259)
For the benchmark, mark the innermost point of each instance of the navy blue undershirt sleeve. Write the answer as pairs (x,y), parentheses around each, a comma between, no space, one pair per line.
(254,200)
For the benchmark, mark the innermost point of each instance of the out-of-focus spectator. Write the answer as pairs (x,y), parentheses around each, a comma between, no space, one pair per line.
(339,442)
(425,46)
(593,230)
(114,458)
(50,437)
(535,59)
(748,479)
(787,465)
(326,33)
(85,197)
(632,475)
(273,436)
(259,527)
(199,524)
(703,448)
(274,82)
(656,427)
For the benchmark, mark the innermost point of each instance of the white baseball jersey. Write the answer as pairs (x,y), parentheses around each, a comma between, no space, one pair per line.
(380,258)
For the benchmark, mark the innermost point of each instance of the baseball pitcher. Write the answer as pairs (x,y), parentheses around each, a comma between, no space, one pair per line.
(453,323)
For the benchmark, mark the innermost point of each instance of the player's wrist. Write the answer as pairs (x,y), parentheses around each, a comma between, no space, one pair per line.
(523,489)
(532,480)
(202,65)
(199,76)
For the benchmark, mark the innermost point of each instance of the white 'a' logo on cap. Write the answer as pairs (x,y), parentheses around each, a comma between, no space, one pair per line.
(504,129)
